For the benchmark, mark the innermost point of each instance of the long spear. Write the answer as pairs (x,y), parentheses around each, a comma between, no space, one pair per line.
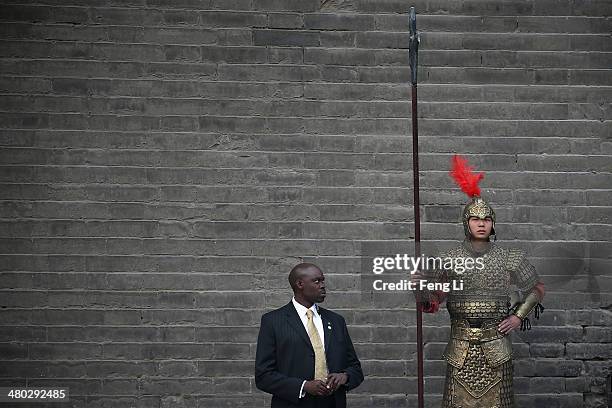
(414,54)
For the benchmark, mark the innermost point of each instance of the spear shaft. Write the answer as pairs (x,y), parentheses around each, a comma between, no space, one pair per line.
(413,53)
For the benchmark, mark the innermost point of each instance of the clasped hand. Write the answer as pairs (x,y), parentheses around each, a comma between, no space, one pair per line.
(323,388)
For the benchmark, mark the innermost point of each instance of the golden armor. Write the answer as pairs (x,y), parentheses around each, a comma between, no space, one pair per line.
(479,357)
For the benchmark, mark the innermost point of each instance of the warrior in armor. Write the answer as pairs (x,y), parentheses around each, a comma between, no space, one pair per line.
(479,353)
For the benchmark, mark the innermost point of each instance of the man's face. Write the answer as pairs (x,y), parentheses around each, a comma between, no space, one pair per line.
(480,228)
(312,284)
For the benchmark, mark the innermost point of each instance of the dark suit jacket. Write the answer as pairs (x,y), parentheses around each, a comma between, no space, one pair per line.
(285,357)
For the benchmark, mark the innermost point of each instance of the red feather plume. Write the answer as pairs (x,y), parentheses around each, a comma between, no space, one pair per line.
(462,173)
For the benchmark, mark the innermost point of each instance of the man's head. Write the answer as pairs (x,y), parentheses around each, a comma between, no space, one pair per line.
(308,283)
(477,209)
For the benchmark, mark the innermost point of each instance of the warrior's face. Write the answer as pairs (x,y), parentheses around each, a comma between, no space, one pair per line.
(477,209)
(480,228)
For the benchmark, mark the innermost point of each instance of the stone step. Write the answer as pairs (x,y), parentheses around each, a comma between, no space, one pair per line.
(309,125)
(239,248)
(299,108)
(310,90)
(494,76)
(186,35)
(461,92)
(135,23)
(295,177)
(436,40)
(512,229)
(296,160)
(302,222)
(302,73)
(329,202)
(282,44)
(186,141)
(354,57)
(472,7)
(511,59)
(506,24)
(460,58)
(187,10)
(388,74)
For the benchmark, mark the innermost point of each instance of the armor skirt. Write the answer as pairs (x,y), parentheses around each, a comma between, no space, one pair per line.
(457,387)
(479,370)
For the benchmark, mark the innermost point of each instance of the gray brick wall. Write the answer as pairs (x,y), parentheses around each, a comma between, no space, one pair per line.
(165,162)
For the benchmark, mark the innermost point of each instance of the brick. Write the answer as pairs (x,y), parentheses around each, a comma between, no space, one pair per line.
(571,24)
(597,334)
(176,386)
(337,39)
(582,351)
(527,42)
(65,351)
(227,384)
(285,55)
(76,386)
(227,19)
(153,351)
(561,368)
(286,38)
(117,16)
(588,77)
(349,22)
(377,39)
(341,56)
(547,350)
(25,85)
(567,400)
(552,385)
(234,36)
(140,402)
(182,4)
(14,351)
(225,351)
(236,401)
(172,17)
(171,35)
(62,15)
(285,20)
(286,5)
(504,8)
(389,6)
(594,8)
(219,368)
(234,54)
(31,13)
(119,386)
(387,385)
(111,369)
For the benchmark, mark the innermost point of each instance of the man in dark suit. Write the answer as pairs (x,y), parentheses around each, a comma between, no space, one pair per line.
(305,356)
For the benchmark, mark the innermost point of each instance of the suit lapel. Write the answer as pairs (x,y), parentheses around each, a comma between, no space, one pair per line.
(294,320)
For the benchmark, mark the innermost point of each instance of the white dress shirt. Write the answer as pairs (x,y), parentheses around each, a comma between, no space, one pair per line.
(318,322)
(316,317)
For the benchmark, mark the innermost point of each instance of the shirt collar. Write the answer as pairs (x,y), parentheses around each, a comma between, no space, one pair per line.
(301,309)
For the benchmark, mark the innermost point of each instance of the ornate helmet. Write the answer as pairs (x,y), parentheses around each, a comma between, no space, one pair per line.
(468,182)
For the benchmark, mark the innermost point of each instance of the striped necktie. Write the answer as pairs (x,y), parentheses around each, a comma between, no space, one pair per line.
(319,350)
